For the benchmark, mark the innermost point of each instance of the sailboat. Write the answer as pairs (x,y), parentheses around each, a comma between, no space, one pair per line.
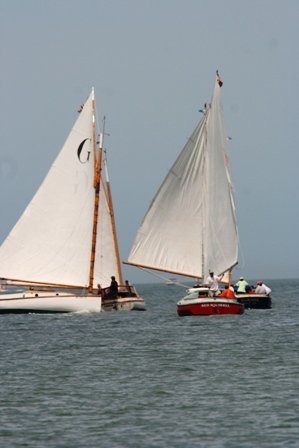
(190,228)
(64,245)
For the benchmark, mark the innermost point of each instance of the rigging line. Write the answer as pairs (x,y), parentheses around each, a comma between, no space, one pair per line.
(242,262)
(164,278)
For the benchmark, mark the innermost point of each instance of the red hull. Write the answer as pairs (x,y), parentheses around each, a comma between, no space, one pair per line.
(208,309)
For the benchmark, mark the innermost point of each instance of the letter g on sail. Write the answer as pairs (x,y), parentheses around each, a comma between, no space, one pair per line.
(85,158)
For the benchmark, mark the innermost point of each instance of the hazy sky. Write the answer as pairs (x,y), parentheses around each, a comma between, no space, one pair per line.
(152,63)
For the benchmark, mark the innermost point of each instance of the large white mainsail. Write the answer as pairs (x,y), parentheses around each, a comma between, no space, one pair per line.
(52,241)
(190,227)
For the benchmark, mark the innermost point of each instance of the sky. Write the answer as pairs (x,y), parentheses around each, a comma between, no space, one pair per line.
(152,64)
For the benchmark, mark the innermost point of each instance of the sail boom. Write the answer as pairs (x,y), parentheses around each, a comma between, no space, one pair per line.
(26,283)
(229,269)
(155,268)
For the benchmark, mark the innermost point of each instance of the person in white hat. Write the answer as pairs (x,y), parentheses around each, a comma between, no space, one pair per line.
(241,285)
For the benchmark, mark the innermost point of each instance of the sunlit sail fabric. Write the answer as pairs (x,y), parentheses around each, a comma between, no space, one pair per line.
(51,242)
(190,227)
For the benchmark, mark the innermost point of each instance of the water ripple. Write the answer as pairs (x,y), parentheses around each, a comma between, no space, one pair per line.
(152,379)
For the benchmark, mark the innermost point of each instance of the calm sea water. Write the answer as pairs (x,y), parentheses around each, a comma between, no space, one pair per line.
(152,379)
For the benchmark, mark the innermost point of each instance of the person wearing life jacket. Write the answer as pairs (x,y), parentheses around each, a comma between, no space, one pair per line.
(228,292)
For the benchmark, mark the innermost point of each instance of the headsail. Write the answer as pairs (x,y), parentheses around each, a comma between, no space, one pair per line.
(190,227)
(106,256)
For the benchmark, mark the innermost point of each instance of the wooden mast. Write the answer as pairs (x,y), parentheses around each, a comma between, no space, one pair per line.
(96,184)
(110,204)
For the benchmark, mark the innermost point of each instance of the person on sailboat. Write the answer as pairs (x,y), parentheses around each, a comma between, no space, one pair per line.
(268,290)
(261,288)
(130,289)
(128,286)
(228,292)
(113,290)
(212,282)
(241,285)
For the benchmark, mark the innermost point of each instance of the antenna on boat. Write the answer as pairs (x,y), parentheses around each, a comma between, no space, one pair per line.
(103,133)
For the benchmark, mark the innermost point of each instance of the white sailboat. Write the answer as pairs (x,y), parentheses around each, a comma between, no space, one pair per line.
(190,228)
(65,244)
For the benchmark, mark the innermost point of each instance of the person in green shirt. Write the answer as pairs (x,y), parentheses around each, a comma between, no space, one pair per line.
(241,285)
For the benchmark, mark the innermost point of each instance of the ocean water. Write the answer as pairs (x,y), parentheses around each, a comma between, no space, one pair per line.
(153,379)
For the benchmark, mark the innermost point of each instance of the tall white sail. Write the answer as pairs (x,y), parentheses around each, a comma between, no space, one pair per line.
(51,242)
(190,227)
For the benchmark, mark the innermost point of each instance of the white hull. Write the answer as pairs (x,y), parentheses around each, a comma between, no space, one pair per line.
(124,304)
(48,302)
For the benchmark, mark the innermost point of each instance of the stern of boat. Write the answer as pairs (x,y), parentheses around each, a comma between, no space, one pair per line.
(198,302)
(124,304)
(255,301)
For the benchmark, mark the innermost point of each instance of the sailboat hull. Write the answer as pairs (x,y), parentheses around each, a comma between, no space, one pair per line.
(209,307)
(124,304)
(48,302)
(198,303)
(257,301)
